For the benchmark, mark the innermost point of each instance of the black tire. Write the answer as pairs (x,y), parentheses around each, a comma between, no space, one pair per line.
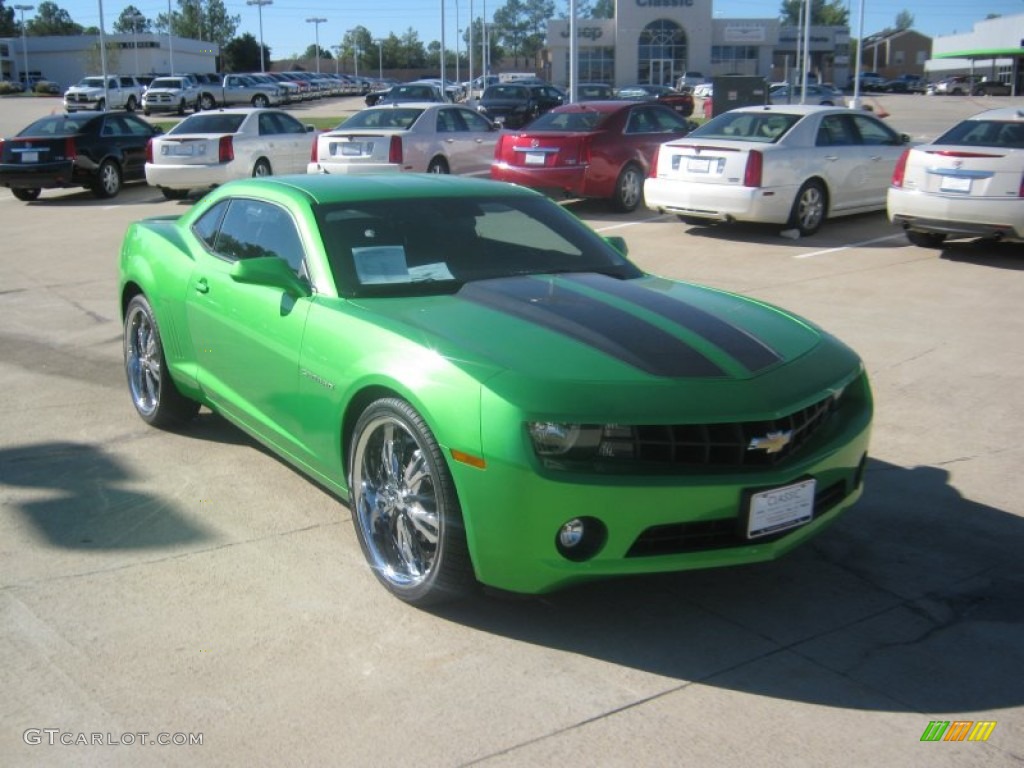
(108,180)
(154,394)
(26,195)
(405,508)
(132,104)
(262,168)
(629,189)
(438,165)
(260,101)
(146,112)
(174,194)
(926,239)
(182,107)
(101,105)
(207,102)
(809,208)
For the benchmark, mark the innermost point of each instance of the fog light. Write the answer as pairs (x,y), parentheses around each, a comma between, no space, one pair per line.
(571,534)
(581,538)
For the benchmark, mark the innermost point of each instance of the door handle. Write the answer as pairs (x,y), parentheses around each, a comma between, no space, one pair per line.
(202,286)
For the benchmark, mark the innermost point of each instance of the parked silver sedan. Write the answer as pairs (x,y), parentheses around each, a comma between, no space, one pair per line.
(210,148)
(793,165)
(420,137)
(966,183)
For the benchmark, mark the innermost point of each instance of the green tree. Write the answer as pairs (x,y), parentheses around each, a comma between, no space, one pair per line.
(200,21)
(522,26)
(311,53)
(8,26)
(604,9)
(834,13)
(242,54)
(359,39)
(904,20)
(51,19)
(126,23)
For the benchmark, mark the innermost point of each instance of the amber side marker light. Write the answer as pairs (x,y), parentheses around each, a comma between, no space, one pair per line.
(466,458)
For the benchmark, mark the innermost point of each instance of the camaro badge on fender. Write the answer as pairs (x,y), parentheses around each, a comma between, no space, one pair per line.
(773,442)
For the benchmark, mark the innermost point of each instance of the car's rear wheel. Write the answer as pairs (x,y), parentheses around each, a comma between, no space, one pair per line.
(438,165)
(404,506)
(260,101)
(108,180)
(182,107)
(101,105)
(926,239)
(808,212)
(262,168)
(207,102)
(174,194)
(154,395)
(132,104)
(629,189)
(26,194)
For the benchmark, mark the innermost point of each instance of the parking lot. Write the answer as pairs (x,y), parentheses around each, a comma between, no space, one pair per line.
(193,588)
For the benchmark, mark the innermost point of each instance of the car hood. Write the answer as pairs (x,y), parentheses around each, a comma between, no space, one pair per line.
(84,89)
(171,91)
(556,340)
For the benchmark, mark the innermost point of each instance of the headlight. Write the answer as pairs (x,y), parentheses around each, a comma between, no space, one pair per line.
(582,442)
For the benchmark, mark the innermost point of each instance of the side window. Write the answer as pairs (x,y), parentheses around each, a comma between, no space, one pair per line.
(135,126)
(873,132)
(474,121)
(254,229)
(832,132)
(640,122)
(268,125)
(446,121)
(206,227)
(668,121)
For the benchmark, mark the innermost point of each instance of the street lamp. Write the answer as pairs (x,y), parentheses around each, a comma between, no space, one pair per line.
(316,20)
(259,5)
(380,58)
(24,39)
(135,18)
(337,57)
(170,36)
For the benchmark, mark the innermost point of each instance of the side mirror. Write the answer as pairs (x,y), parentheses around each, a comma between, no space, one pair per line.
(618,243)
(270,271)
(310,128)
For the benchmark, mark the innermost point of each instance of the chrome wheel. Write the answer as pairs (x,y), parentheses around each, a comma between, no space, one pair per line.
(142,360)
(108,182)
(809,208)
(404,505)
(629,189)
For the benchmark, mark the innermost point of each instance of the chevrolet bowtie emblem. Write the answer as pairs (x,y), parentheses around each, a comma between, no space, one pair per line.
(773,442)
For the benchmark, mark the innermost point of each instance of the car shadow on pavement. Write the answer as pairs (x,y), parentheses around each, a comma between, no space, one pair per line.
(985,253)
(913,602)
(82,500)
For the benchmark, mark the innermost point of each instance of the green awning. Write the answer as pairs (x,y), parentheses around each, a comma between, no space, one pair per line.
(987,53)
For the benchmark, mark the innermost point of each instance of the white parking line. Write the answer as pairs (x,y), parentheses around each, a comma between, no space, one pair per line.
(629,223)
(848,246)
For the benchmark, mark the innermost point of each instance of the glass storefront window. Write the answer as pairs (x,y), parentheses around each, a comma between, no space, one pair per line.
(661,53)
(594,65)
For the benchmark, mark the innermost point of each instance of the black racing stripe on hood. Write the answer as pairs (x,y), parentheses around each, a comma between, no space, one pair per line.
(747,350)
(613,331)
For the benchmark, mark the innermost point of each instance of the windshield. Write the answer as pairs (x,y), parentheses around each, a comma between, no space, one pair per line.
(398,117)
(436,244)
(209,123)
(165,82)
(765,127)
(91,82)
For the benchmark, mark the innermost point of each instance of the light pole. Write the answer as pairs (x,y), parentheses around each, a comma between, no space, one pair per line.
(380,58)
(317,21)
(24,38)
(135,18)
(259,5)
(170,35)
(355,60)
(337,57)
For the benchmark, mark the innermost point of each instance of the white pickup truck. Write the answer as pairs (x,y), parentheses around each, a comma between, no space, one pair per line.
(122,92)
(171,94)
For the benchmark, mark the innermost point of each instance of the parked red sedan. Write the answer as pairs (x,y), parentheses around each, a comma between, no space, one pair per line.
(599,149)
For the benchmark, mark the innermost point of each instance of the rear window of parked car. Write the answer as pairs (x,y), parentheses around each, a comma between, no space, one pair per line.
(985,133)
(58,125)
(209,124)
(382,118)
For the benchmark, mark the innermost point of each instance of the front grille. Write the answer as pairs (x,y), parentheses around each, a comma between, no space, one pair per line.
(703,535)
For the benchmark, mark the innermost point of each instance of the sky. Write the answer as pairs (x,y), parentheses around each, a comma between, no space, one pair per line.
(286,31)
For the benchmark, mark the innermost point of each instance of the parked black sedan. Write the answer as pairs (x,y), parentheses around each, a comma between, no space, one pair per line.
(513,105)
(96,151)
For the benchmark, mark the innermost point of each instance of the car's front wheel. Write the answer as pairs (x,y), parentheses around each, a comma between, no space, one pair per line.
(132,104)
(438,165)
(404,506)
(629,189)
(808,212)
(108,180)
(260,101)
(154,395)
(926,239)
(207,102)
(26,194)
(262,168)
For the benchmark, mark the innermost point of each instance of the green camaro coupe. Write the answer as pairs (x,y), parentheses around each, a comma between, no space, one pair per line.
(499,395)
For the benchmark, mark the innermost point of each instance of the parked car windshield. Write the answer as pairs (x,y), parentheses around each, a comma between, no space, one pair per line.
(167,82)
(434,245)
(91,82)
(985,133)
(209,123)
(506,92)
(55,125)
(398,117)
(747,126)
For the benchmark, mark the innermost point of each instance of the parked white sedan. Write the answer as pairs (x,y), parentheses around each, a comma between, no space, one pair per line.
(210,148)
(412,136)
(969,182)
(792,165)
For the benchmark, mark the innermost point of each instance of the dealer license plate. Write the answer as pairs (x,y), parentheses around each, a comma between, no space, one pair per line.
(698,165)
(178,150)
(534,158)
(351,149)
(30,157)
(955,184)
(780,508)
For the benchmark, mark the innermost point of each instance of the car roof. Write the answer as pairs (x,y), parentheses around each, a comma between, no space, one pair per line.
(1002,113)
(606,107)
(800,109)
(319,188)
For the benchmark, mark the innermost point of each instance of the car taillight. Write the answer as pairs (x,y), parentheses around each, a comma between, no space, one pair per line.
(499,148)
(653,172)
(754,169)
(225,150)
(70,149)
(149,151)
(314,153)
(1020,189)
(395,150)
(900,170)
